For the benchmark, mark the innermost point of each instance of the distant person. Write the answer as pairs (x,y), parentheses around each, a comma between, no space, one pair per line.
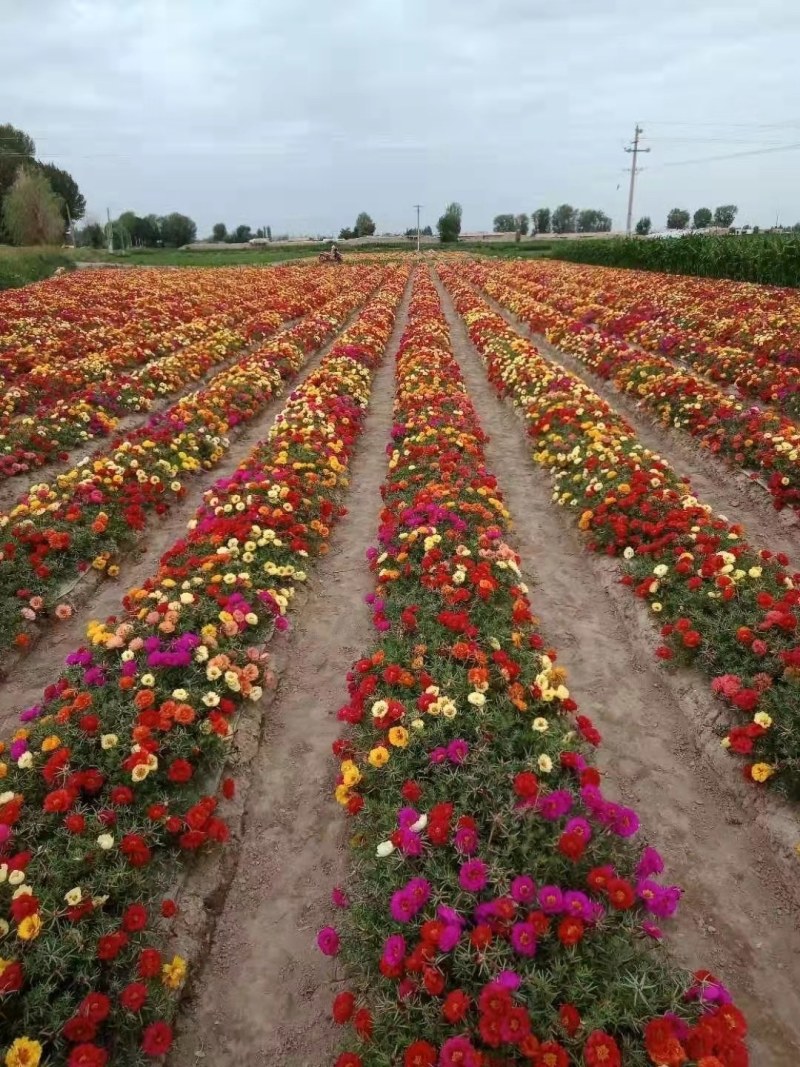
(336,255)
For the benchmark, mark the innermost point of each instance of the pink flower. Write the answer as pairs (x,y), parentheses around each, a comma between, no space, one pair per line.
(472,876)
(328,941)
(339,897)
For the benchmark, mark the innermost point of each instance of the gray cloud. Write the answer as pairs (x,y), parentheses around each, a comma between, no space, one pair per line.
(300,113)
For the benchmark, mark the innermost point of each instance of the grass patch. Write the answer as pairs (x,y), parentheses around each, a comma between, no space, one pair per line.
(19,266)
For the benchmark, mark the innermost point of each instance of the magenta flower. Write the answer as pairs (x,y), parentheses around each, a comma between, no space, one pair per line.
(466,840)
(458,1052)
(457,751)
(580,827)
(438,755)
(472,876)
(328,941)
(449,938)
(523,889)
(509,980)
(394,950)
(650,863)
(577,903)
(551,899)
(339,897)
(652,930)
(419,889)
(523,939)
(402,906)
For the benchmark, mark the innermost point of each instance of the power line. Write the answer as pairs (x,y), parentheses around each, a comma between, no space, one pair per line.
(733,155)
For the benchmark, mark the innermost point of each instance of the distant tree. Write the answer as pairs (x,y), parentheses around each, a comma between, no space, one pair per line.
(564,219)
(219,231)
(521,224)
(16,142)
(678,219)
(504,224)
(32,211)
(269,233)
(137,231)
(91,235)
(177,230)
(261,232)
(540,220)
(796,228)
(590,220)
(702,218)
(725,214)
(426,231)
(449,224)
(643,226)
(364,226)
(346,234)
(241,235)
(64,185)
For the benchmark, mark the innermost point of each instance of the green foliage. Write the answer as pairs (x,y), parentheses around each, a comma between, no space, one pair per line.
(241,235)
(177,230)
(219,231)
(132,230)
(504,224)
(20,266)
(702,218)
(725,214)
(541,220)
(771,259)
(678,219)
(643,225)
(590,220)
(522,224)
(65,187)
(564,219)
(92,235)
(346,234)
(364,226)
(449,224)
(32,211)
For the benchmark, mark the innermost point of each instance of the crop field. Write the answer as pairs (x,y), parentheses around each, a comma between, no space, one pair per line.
(399,667)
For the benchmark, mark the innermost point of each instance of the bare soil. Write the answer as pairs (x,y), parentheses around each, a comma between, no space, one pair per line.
(739,915)
(264,992)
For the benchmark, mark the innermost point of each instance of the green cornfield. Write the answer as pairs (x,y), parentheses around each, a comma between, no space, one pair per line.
(770,259)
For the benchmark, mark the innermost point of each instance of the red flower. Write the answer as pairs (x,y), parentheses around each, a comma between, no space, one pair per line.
(228,788)
(121,796)
(149,963)
(169,909)
(58,801)
(601,1050)
(411,792)
(570,1018)
(79,1029)
(95,1006)
(551,1054)
(456,1006)
(133,996)
(526,786)
(570,931)
(135,918)
(157,1039)
(136,849)
(349,1059)
(11,978)
(362,1022)
(180,770)
(343,1005)
(75,823)
(88,1056)
(420,1054)
(620,894)
(109,946)
(433,981)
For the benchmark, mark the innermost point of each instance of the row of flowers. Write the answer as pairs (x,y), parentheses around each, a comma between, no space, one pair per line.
(94,395)
(61,334)
(728,608)
(88,513)
(496,890)
(107,781)
(742,335)
(761,441)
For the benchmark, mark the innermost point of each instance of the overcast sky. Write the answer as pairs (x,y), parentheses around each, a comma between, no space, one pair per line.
(301,113)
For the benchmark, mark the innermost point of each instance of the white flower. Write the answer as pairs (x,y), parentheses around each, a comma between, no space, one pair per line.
(25,761)
(420,824)
(147,679)
(660,570)
(179,694)
(477,699)
(108,741)
(628,553)
(540,725)
(106,841)
(74,896)
(385,848)
(417,724)
(545,763)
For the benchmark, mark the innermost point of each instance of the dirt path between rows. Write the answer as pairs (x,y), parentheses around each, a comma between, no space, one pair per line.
(739,915)
(729,490)
(263,997)
(29,674)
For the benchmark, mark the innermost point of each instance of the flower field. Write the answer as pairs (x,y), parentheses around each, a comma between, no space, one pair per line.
(500,901)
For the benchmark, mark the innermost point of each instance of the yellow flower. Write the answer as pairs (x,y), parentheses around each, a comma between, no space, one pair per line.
(761,772)
(398,737)
(656,607)
(378,756)
(762,719)
(351,775)
(113,571)
(140,772)
(30,928)
(540,724)
(545,763)
(50,743)
(173,974)
(24,1053)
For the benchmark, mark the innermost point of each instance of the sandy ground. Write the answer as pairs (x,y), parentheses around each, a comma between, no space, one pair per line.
(263,996)
(739,915)
(29,674)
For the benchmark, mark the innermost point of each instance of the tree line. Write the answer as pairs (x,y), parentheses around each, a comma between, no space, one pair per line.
(37,200)
(568,219)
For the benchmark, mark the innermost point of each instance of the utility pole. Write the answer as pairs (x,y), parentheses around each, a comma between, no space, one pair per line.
(417,206)
(109,231)
(635,150)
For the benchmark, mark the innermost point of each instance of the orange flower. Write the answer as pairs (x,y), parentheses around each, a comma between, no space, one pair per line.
(144,699)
